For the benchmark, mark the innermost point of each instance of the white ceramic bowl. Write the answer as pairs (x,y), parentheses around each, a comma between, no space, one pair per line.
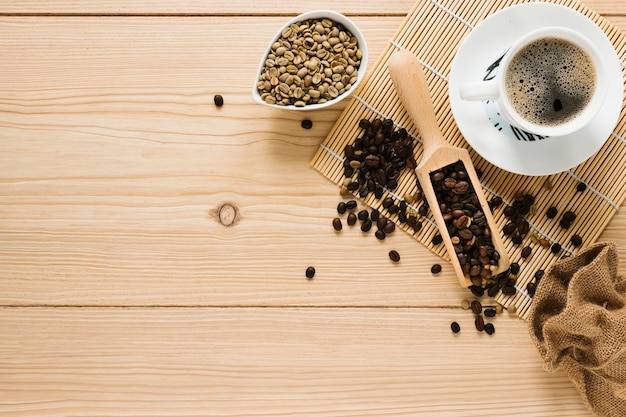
(336,17)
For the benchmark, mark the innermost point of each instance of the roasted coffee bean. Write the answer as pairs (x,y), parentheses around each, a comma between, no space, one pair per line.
(341,208)
(490,312)
(380,234)
(388,202)
(576,240)
(364,124)
(531,287)
(555,248)
(570,216)
(393,209)
(565,224)
(526,251)
(351,219)
(489,328)
(351,204)
(493,291)
(310,272)
(523,227)
(381,222)
(363,193)
(508,289)
(581,187)
(539,274)
(477,290)
(479,322)
(455,327)
(552,212)
(306,124)
(496,202)
(378,193)
(362,215)
(509,228)
(218,100)
(394,255)
(374,215)
(366,226)
(437,239)
(517,239)
(389,228)
(337,224)
(514,268)
(476,307)
(435,269)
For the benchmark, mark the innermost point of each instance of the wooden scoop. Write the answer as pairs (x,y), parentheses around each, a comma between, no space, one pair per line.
(410,83)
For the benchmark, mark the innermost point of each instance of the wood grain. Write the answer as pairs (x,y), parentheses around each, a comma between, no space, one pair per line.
(270,362)
(221,7)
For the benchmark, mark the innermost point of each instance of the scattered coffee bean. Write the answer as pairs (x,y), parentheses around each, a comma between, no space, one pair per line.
(437,239)
(375,215)
(380,234)
(337,224)
(479,322)
(555,248)
(565,224)
(389,228)
(341,207)
(476,307)
(306,124)
(570,216)
(489,328)
(351,219)
(581,187)
(394,255)
(218,100)
(526,251)
(514,268)
(351,204)
(531,287)
(539,274)
(455,327)
(366,226)
(493,290)
(435,269)
(496,202)
(552,212)
(576,240)
(477,290)
(465,304)
(362,215)
(508,290)
(310,272)
(490,312)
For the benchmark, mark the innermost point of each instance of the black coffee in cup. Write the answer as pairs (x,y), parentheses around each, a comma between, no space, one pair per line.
(550,81)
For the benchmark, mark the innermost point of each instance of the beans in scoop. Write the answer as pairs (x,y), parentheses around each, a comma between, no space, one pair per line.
(466,222)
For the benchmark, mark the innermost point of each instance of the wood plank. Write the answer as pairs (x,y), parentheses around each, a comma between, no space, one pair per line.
(219,7)
(113,161)
(271,362)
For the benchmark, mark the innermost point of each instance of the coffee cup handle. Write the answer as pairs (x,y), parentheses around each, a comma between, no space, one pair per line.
(482,90)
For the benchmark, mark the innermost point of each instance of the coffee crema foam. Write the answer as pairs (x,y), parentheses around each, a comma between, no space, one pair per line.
(550,81)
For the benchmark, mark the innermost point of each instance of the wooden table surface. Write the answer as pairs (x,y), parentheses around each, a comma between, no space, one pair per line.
(121,293)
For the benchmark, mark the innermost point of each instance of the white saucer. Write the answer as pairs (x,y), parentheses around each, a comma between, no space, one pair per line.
(479,121)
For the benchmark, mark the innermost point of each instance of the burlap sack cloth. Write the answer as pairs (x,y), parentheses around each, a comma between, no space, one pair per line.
(578,322)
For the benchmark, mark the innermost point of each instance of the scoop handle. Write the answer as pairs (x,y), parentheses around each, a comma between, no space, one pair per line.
(408,77)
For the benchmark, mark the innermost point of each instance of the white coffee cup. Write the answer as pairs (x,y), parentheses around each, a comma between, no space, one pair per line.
(496,88)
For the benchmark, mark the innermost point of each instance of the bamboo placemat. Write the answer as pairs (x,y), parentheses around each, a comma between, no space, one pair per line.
(433,31)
